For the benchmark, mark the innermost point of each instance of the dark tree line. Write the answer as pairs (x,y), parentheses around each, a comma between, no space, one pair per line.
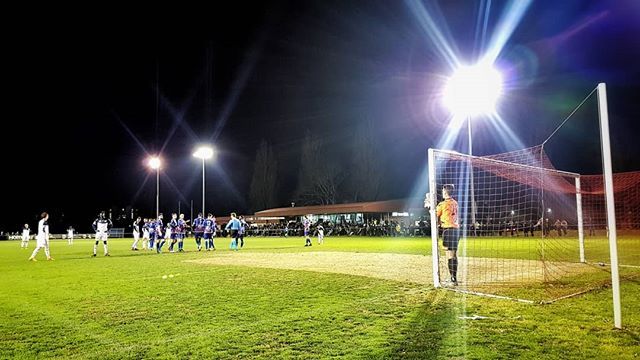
(262,193)
(319,177)
(322,178)
(366,171)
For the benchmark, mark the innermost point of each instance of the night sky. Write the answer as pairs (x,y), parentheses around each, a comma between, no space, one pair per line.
(82,102)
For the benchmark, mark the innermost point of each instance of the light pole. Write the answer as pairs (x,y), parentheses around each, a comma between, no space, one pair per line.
(473,90)
(203,153)
(155,163)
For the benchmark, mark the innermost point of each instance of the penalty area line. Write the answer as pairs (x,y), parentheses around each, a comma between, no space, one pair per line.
(493,296)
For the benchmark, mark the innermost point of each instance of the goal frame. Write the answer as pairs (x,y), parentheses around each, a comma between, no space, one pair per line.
(603,119)
(433,191)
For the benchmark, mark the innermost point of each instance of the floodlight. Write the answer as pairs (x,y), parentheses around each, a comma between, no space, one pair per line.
(154,162)
(204,152)
(473,90)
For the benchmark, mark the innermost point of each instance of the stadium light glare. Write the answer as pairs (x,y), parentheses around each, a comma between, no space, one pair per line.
(154,162)
(204,152)
(473,90)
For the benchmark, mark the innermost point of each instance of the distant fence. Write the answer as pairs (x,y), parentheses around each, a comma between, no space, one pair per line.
(114,233)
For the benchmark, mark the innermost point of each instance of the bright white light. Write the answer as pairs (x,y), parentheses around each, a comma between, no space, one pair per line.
(204,152)
(155,163)
(473,90)
(549,210)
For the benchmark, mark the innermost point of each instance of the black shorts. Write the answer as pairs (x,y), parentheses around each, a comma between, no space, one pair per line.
(451,238)
(234,233)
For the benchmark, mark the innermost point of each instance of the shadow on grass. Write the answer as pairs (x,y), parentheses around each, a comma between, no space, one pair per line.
(632,334)
(90,256)
(433,332)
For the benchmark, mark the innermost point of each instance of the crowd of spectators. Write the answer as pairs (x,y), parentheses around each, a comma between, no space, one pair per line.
(370,228)
(392,228)
(523,228)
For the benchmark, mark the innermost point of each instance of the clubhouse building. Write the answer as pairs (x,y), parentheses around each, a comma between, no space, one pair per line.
(403,210)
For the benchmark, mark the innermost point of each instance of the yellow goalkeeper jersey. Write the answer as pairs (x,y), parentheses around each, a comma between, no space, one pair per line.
(447,212)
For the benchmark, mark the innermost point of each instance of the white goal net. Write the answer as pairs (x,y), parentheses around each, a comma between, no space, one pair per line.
(521,227)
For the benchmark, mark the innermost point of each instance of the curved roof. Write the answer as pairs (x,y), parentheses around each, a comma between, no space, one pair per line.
(362,207)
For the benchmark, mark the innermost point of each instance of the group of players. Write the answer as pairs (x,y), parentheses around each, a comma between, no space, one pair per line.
(101,226)
(154,234)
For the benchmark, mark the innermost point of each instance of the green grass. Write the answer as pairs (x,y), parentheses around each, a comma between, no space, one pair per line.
(120,307)
(596,248)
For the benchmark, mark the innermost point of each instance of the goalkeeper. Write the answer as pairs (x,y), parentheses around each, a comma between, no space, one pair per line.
(447,214)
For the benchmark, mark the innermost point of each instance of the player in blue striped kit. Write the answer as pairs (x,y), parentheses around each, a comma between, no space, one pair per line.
(151,227)
(145,235)
(307,227)
(209,232)
(242,231)
(173,231)
(182,228)
(198,230)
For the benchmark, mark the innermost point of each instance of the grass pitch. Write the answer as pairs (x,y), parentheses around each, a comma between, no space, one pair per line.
(226,305)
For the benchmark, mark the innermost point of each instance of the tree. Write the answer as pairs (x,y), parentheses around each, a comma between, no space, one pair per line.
(262,193)
(366,171)
(319,178)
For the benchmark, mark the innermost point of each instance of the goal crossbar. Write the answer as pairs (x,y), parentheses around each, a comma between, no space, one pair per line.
(484,160)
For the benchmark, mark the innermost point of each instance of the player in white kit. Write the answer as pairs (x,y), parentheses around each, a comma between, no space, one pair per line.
(42,237)
(70,235)
(25,236)
(137,230)
(168,231)
(101,226)
(320,235)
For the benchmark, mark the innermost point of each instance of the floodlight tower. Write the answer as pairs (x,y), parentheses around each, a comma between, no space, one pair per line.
(155,163)
(203,153)
(473,90)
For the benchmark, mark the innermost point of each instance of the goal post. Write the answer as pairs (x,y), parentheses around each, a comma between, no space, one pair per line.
(434,221)
(515,244)
(580,220)
(603,113)
(523,221)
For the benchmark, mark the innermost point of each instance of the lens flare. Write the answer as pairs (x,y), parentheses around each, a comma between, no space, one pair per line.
(155,163)
(473,90)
